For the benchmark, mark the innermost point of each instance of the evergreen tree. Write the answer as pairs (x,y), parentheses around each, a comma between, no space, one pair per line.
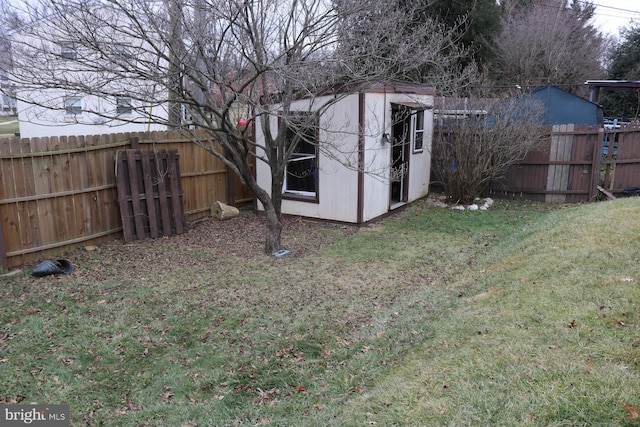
(624,65)
(477,23)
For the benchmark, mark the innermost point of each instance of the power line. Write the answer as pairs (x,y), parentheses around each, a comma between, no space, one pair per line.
(611,7)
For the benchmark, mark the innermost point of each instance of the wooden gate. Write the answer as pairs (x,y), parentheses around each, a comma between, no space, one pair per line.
(149,193)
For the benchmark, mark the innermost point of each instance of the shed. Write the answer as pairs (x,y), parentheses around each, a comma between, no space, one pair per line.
(562,107)
(371,153)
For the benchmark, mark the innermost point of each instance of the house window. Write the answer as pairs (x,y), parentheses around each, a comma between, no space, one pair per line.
(418,131)
(121,52)
(301,174)
(123,106)
(73,105)
(68,50)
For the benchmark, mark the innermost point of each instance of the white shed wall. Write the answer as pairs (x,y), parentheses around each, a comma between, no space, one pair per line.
(378,154)
(338,176)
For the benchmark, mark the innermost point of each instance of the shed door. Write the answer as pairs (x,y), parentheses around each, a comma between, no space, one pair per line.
(400,149)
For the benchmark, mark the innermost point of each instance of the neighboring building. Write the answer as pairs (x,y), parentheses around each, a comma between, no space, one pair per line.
(78,114)
(449,110)
(562,107)
(7,102)
(57,78)
(367,154)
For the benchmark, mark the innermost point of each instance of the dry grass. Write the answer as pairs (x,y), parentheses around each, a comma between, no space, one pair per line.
(431,317)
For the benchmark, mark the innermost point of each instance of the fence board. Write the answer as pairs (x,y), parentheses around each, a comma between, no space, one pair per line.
(56,193)
(573,176)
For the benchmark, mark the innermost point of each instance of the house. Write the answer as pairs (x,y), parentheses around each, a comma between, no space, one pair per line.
(364,155)
(7,102)
(449,110)
(562,107)
(66,84)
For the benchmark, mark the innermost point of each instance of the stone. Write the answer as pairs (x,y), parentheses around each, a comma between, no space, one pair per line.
(221,211)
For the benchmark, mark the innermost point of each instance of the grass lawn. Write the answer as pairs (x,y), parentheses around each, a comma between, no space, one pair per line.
(8,126)
(523,315)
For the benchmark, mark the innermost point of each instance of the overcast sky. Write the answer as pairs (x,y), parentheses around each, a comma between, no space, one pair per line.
(611,15)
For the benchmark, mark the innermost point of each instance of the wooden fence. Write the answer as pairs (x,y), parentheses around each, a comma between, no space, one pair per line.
(571,165)
(57,193)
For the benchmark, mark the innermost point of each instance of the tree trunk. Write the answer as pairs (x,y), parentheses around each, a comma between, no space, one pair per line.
(273,209)
(274,230)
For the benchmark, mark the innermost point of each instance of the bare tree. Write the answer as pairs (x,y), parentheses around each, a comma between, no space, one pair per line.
(216,61)
(547,44)
(480,144)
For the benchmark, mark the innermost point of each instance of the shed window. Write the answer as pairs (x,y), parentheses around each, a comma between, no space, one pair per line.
(418,131)
(301,174)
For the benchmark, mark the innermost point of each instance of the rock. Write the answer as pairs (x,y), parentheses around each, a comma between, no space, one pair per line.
(473,207)
(220,210)
(458,208)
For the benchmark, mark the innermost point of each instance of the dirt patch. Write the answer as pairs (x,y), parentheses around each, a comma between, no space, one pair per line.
(209,240)
(244,236)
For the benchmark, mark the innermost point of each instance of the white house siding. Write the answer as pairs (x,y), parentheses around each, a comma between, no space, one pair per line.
(37,121)
(40,72)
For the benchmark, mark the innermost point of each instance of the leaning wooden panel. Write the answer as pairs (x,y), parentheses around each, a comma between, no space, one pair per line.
(176,192)
(150,175)
(163,194)
(148,179)
(134,192)
(122,177)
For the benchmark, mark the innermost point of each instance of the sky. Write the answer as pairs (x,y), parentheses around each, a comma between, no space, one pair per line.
(611,15)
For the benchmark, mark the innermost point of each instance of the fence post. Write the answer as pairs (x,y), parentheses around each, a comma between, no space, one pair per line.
(597,164)
(3,252)
(558,174)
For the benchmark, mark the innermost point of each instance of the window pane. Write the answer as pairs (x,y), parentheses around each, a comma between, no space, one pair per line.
(68,50)
(301,171)
(73,105)
(123,106)
(121,52)
(418,145)
(301,175)
(420,120)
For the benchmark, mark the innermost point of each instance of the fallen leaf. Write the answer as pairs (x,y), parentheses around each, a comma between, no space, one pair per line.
(128,407)
(572,324)
(633,412)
